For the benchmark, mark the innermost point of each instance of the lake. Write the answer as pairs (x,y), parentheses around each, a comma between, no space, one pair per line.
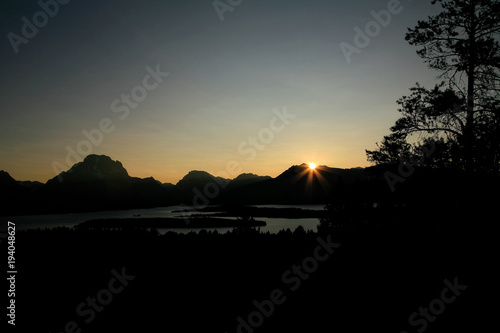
(70,220)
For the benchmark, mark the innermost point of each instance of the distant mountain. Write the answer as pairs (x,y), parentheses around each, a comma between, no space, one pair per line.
(198,179)
(298,185)
(13,195)
(165,185)
(100,183)
(10,189)
(96,179)
(30,185)
(93,168)
(9,184)
(246,179)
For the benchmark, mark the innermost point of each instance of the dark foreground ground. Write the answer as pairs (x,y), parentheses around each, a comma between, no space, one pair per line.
(377,276)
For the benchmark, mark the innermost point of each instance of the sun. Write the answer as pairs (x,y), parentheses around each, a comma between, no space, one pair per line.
(312,166)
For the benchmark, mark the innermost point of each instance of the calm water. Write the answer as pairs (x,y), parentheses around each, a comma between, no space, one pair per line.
(69,220)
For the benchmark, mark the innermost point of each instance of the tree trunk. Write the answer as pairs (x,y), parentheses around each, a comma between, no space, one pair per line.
(471,68)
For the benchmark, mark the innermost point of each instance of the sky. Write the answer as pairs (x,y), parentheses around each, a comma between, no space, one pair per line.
(228,87)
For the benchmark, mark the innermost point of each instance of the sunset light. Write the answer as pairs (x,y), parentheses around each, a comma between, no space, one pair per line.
(183,158)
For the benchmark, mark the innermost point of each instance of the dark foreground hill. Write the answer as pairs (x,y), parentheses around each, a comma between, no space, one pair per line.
(439,276)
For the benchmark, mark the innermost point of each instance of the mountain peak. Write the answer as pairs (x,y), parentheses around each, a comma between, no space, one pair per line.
(249,176)
(93,158)
(4,173)
(5,178)
(10,187)
(95,167)
(196,178)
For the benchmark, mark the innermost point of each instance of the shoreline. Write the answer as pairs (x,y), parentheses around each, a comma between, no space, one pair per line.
(167,222)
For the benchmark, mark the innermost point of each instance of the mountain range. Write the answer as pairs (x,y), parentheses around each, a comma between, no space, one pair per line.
(100,183)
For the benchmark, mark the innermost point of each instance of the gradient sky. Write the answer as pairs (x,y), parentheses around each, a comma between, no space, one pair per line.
(226,77)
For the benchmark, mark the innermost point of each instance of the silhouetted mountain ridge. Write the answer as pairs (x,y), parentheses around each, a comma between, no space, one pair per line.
(199,179)
(31,185)
(92,168)
(11,190)
(298,185)
(246,179)
(100,183)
